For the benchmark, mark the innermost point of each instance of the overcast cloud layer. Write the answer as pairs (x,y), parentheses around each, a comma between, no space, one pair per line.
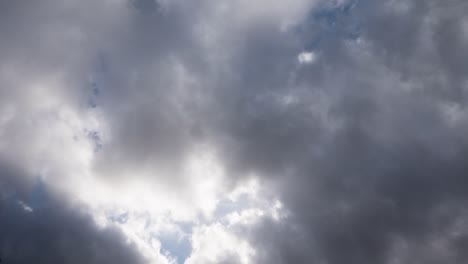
(234,131)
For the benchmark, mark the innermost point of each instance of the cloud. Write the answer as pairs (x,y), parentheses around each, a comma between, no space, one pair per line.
(228,249)
(306,57)
(54,232)
(152,115)
(377,155)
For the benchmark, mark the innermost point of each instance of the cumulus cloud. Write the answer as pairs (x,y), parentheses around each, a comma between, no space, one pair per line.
(233,131)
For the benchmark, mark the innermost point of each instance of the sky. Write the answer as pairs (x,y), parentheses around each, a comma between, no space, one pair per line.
(233,131)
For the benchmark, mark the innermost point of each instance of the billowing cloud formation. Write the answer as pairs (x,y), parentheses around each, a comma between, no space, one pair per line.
(304,131)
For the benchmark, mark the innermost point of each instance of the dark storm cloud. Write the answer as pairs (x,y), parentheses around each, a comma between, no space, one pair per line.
(396,157)
(53,232)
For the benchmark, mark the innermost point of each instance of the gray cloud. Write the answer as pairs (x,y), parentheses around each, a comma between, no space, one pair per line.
(395,158)
(366,146)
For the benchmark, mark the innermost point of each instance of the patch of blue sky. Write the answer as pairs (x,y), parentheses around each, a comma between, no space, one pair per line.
(38,195)
(185,227)
(95,82)
(227,206)
(121,218)
(176,245)
(330,22)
